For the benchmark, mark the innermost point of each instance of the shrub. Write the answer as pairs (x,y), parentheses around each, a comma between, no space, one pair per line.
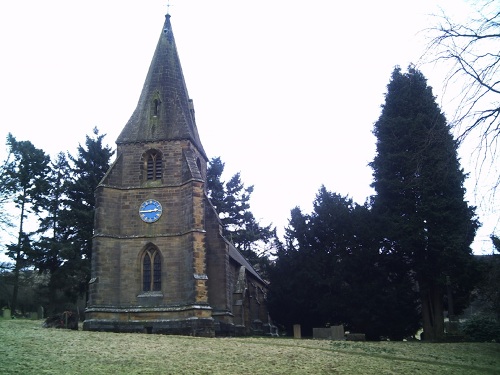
(482,328)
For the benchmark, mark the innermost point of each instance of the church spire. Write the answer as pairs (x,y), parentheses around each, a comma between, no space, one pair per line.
(164,111)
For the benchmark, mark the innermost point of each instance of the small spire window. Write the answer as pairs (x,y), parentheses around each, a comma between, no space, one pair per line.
(198,164)
(156,107)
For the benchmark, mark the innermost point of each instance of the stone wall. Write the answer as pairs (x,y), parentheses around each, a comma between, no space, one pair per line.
(198,276)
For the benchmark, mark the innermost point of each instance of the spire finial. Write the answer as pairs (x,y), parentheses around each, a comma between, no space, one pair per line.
(168,7)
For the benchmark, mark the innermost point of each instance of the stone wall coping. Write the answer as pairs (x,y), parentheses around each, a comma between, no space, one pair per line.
(139,309)
(150,294)
(162,186)
(102,235)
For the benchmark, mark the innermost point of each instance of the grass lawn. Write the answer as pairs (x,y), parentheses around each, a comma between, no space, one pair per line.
(27,348)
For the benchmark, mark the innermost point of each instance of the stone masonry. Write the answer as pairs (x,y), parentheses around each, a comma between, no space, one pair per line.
(202,284)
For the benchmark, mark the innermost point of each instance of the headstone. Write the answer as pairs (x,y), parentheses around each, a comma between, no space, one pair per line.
(452,325)
(6,313)
(40,312)
(338,332)
(33,315)
(355,337)
(296,331)
(332,333)
(322,333)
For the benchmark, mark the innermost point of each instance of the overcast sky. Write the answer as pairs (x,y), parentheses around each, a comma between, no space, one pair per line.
(285,91)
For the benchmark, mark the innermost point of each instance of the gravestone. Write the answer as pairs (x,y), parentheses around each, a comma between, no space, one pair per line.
(331,333)
(40,312)
(338,332)
(296,331)
(356,337)
(322,333)
(6,313)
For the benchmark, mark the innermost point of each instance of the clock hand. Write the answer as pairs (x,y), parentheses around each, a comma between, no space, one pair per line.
(146,211)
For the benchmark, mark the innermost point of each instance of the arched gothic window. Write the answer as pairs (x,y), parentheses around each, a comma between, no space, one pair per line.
(154,166)
(151,270)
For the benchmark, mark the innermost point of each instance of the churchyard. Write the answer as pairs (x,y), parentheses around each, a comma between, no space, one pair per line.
(27,348)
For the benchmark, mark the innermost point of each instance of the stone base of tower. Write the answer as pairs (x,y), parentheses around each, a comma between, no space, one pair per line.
(189,321)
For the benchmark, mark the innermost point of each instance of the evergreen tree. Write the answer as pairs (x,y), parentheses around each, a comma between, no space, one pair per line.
(25,180)
(88,169)
(289,298)
(231,201)
(330,271)
(5,195)
(50,252)
(420,195)
(489,289)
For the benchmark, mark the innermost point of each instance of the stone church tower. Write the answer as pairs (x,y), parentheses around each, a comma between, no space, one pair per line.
(160,263)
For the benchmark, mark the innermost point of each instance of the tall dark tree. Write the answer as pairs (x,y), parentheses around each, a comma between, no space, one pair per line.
(292,293)
(5,194)
(420,195)
(489,288)
(50,252)
(88,168)
(232,202)
(5,284)
(25,180)
(330,271)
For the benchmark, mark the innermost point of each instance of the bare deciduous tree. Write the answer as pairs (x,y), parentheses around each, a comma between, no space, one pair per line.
(471,52)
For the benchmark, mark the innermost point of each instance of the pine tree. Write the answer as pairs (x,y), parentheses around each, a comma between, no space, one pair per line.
(25,180)
(231,200)
(5,195)
(50,250)
(88,169)
(420,195)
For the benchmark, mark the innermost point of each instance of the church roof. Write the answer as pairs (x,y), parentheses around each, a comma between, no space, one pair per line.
(164,111)
(241,260)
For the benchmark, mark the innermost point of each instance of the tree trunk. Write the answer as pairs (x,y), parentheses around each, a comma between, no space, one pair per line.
(16,282)
(18,262)
(432,313)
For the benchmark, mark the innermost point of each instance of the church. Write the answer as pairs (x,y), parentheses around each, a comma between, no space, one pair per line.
(159,261)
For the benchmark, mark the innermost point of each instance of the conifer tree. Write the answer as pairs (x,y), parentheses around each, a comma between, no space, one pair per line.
(5,195)
(330,271)
(50,250)
(25,181)
(231,201)
(420,195)
(88,168)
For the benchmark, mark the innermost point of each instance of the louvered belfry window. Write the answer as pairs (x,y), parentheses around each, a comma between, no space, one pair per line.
(154,166)
(151,270)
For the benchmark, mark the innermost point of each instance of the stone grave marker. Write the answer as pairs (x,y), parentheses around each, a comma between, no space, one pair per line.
(297,334)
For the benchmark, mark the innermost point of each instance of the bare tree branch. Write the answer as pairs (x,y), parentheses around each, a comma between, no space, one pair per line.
(471,53)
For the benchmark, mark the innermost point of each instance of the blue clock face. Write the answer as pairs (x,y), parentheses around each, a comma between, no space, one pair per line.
(150,211)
